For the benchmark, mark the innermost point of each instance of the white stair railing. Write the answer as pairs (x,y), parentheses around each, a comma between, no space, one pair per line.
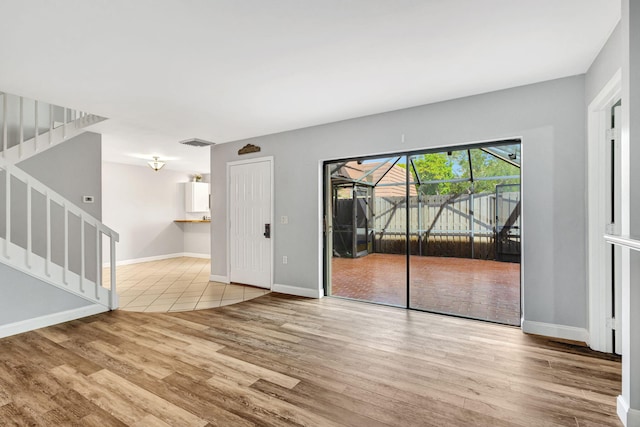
(29,126)
(18,234)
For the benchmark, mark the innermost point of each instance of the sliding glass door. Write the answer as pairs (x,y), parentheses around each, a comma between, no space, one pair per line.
(437,231)
(367,258)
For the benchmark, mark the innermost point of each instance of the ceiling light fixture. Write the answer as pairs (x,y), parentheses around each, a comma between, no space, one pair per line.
(156,164)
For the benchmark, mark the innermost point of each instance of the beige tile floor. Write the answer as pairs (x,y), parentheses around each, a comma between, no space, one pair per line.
(176,284)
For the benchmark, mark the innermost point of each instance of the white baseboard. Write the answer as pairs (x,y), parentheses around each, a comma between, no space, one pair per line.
(629,417)
(555,331)
(294,290)
(50,319)
(196,255)
(221,279)
(157,258)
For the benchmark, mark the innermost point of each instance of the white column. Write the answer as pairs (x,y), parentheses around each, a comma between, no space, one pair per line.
(629,400)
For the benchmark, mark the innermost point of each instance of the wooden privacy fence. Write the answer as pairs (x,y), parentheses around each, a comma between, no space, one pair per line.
(444,225)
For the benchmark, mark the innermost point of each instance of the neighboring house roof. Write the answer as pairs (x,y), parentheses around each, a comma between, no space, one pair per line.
(379,174)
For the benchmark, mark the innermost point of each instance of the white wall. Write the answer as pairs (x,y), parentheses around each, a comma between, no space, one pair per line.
(141,205)
(197,239)
(549,117)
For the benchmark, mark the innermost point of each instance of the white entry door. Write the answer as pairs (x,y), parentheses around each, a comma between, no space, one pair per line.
(250,223)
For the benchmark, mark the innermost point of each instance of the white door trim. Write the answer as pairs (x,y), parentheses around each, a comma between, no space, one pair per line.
(599,294)
(228,201)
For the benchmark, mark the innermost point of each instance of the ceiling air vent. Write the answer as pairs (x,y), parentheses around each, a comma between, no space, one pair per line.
(197,142)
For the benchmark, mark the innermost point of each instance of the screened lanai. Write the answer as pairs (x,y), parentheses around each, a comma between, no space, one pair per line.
(436,231)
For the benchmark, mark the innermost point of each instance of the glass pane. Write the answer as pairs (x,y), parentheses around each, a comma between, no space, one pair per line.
(365,171)
(458,250)
(486,165)
(508,222)
(441,173)
(508,153)
(368,219)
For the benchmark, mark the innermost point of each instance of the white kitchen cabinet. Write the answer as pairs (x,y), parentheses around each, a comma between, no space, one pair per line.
(196,196)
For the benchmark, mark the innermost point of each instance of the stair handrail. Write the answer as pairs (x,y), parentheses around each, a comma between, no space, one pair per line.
(68,208)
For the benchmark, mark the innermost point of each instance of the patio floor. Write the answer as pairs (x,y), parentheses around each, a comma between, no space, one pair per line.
(487,290)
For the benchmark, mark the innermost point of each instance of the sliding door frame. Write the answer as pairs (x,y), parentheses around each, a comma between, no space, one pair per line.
(327,219)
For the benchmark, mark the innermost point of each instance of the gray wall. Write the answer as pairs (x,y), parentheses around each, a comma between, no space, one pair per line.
(141,205)
(23,297)
(549,117)
(608,61)
(73,170)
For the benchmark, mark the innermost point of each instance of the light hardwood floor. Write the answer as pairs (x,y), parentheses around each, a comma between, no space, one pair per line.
(281,360)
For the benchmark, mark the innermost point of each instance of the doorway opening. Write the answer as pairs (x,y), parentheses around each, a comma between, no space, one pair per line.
(436,231)
(614,223)
(604,201)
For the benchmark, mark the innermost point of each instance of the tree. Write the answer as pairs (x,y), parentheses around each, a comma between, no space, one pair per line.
(455,165)
(486,165)
(434,167)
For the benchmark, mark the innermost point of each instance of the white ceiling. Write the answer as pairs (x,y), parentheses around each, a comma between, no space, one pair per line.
(222,70)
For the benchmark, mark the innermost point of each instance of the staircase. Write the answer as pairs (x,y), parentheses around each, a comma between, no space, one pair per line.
(43,234)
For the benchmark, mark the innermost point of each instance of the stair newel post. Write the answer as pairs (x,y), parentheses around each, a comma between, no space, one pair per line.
(98,262)
(66,244)
(82,254)
(113,297)
(48,238)
(29,226)
(21,140)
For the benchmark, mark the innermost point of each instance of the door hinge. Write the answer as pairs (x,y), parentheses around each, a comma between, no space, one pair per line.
(611,134)
(612,324)
(612,229)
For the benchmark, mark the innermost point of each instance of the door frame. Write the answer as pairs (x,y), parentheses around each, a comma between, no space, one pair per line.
(268,159)
(600,295)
